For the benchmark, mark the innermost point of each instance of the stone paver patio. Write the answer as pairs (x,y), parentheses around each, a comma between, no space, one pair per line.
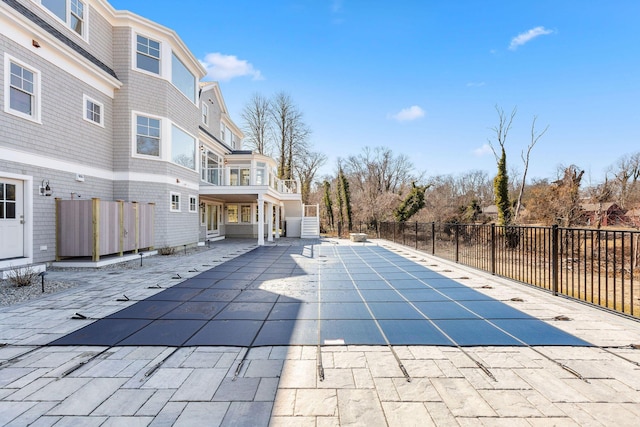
(280,386)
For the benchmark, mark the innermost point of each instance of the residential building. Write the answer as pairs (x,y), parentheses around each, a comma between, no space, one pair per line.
(102,104)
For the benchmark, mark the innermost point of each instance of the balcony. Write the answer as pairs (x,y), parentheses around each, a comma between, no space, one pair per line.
(243,176)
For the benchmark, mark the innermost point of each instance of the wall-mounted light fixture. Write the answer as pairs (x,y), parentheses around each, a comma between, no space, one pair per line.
(35,43)
(45,189)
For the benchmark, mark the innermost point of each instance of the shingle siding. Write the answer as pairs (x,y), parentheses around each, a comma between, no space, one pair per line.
(63,144)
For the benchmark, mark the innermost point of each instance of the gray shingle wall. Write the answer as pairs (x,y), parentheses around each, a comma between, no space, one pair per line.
(98,40)
(65,136)
(63,133)
(214,113)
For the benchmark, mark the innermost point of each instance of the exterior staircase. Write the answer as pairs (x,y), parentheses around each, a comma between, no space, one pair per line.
(310,227)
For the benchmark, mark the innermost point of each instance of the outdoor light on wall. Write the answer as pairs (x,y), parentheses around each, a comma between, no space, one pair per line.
(45,189)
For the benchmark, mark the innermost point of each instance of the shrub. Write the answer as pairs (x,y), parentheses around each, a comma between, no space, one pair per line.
(167,250)
(22,276)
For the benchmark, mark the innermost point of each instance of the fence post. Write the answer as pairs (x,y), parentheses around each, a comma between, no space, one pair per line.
(404,234)
(457,242)
(433,238)
(416,235)
(394,232)
(493,249)
(554,259)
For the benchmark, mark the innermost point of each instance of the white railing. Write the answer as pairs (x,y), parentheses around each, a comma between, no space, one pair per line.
(311,211)
(247,176)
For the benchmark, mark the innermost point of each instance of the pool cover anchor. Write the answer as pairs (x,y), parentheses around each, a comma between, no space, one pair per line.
(158,365)
(81,364)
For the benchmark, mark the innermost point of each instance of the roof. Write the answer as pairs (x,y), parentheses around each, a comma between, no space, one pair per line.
(592,207)
(58,35)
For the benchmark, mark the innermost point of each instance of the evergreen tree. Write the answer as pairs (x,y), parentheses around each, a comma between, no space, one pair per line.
(346,196)
(501,190)
(339,197)
(411,204)
(328,205)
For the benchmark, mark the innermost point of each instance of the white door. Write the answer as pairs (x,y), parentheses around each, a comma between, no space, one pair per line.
(11,218)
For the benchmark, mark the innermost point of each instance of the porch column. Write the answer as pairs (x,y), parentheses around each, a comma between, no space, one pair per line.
(278,222)
(260,221)
(270,221)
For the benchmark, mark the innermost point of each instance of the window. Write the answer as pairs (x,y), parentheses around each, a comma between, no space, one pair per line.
(183,148)
(245,176)
(193,204)
(245,213)
(182,78)
(147,136)
(148,55)
(175,202)
(211,170)
(76,19)
(205,113)
(261,173)
(232,213)
(93,111)
(7,201)
(23,86)
(71,12)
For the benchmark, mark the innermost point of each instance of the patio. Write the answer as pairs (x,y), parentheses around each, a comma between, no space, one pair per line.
(329,345)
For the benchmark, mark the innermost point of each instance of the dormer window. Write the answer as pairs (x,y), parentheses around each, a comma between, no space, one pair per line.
(148,54)
(71,12)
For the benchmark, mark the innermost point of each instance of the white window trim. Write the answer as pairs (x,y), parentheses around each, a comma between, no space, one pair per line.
(85,28)
(251,212)
(37,103)
(164,123)
(237,214)
(205,113)
(195,204)
(85,99)
(171,208)
(162,74)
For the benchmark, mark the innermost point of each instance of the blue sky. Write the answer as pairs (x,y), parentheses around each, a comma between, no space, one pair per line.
(423,77)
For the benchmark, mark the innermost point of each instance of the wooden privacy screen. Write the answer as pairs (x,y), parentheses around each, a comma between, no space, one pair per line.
(95,228)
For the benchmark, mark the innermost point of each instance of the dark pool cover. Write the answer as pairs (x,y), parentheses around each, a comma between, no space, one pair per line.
(327,294)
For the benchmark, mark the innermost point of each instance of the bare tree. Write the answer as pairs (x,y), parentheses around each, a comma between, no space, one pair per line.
(377,178)
(627,177)
(257,124)
(290,131)
(525,158)
(306,170)
(501,181)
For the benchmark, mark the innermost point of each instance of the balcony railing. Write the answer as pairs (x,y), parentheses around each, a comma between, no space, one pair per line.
(247,176)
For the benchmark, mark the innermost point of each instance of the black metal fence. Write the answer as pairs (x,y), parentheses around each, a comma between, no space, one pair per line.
(595,266)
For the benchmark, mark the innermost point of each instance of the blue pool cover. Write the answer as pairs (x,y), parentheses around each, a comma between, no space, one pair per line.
(320,294)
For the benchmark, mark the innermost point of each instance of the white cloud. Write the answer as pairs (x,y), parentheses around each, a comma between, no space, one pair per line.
(482,151)
(407,114)
(226,67)
(526,37)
